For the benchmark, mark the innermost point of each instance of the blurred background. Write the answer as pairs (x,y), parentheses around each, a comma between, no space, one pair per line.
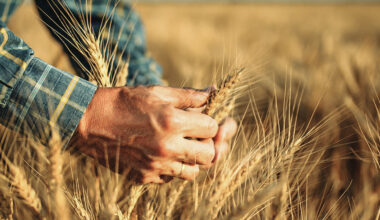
(192,40)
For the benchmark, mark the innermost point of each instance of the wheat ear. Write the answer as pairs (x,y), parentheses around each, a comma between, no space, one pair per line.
(148,209)
(79,209)
(22,189)
(225,111)
(241,211)
(280,214)
(150,213)
(225,188)
(122,75)
(6,207)
(55,160)
(56,176)
(218,96)
(173,198)
(96,59)
(134,195)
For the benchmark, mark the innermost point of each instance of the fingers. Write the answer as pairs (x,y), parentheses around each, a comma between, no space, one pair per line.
(163,171)
(180,170)
(197,125)
(195,152)
(183,98)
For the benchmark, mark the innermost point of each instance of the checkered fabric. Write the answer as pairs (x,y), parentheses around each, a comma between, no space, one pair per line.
(36,97)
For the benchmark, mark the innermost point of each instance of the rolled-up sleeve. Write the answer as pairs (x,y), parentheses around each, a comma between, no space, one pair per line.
(36,97)
(125,35)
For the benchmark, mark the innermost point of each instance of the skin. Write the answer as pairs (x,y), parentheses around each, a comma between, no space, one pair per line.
(150,132)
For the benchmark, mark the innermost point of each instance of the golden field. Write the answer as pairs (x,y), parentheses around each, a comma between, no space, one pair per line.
(308,144)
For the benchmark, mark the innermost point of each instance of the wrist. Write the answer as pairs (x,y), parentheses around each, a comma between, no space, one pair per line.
(99,110)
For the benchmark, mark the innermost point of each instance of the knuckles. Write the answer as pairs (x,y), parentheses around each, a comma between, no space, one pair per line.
(162,149)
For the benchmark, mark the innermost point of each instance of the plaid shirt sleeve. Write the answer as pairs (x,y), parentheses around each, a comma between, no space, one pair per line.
(125,33)
(35,96)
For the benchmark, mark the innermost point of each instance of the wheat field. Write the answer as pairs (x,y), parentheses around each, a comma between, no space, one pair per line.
(307,104)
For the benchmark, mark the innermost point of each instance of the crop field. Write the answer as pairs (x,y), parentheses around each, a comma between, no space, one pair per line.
(307,104)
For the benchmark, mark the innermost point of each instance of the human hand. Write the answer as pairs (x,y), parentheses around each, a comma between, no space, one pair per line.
(149,130)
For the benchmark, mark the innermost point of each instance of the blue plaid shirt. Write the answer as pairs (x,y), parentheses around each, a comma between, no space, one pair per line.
(36,97)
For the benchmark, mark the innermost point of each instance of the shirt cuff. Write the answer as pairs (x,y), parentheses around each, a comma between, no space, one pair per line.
(46,98)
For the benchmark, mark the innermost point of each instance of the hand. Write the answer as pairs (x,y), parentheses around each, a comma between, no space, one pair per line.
(148,130)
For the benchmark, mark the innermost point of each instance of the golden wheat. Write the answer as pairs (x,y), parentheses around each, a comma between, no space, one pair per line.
(289,160)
